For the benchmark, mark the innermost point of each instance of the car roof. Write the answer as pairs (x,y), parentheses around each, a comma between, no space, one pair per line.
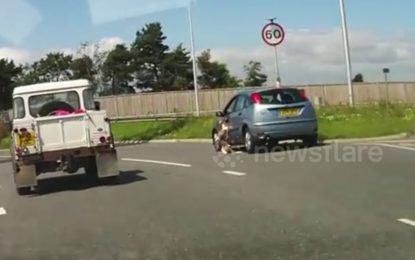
(261,89)
(50,86)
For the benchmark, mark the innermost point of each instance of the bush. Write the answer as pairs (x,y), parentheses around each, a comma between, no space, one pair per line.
(3,130)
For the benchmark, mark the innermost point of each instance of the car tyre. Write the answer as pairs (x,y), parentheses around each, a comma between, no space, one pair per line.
(249,141)
(310,141)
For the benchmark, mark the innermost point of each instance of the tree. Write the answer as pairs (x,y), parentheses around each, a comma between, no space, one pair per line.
(149,53)
(177,70)
(54,67)
(214,74)
(97,55)
(83,68)
(254,77)
(117,70)
(29,75)
(358,78)
(8,76)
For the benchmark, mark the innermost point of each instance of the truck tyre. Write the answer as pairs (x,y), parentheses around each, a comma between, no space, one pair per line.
(24,191)
(91,168)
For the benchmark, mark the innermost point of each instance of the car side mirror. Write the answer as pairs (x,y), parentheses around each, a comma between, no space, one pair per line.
(97,105)
(220,114)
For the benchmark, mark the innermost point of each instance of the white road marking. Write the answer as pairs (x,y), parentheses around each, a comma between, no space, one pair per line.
(2,212)
(401,141)
(408,144)
(397,147)
(407,221)
(234,173)
(158,162)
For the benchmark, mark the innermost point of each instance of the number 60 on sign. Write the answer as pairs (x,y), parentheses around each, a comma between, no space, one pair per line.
(273,34)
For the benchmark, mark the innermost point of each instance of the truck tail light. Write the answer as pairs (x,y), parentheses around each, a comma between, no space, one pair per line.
(102,140)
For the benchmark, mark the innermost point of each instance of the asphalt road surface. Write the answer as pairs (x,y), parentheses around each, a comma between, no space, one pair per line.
(183,201)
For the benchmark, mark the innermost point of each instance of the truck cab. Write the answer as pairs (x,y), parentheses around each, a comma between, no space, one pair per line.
(57,126)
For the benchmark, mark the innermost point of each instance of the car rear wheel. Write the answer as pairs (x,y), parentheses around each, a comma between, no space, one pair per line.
(216,141)
(249,142)
(310,141)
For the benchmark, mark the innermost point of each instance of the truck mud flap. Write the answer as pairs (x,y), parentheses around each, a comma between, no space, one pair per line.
(25,176)
(107,164)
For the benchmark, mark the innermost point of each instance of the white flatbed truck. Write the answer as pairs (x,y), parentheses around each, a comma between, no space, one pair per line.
(57,126)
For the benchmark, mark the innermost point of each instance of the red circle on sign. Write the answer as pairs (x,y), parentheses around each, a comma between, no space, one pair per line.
(277,40)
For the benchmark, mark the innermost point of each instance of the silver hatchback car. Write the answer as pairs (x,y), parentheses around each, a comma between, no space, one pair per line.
(268,115)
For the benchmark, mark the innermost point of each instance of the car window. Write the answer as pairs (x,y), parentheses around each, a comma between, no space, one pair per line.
(88,96)
(281,96)
(41,104)
(247,102)
(240,104)
(18,108)
(231,106)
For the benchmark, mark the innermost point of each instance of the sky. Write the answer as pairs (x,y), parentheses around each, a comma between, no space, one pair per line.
(382,33)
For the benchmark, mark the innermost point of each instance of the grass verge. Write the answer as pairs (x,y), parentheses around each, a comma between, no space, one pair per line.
(334,123)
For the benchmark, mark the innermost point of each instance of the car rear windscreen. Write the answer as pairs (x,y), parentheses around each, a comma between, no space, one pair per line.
(281,97)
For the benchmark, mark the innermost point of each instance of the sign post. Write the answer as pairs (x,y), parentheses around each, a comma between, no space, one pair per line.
(273,34)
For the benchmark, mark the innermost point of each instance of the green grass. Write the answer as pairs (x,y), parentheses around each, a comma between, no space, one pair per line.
(177,129)
(5,143)
(367,121)
(334,123)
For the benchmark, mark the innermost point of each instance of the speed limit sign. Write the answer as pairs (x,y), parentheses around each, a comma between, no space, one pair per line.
(273,34)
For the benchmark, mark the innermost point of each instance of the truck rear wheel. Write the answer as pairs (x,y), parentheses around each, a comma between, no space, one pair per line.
(24,191)
(91,168)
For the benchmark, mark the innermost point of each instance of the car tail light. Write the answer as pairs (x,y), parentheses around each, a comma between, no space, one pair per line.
(256,98)
(303,95)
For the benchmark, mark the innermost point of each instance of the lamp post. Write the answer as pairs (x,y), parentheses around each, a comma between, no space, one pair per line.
(192,44)
(347,52)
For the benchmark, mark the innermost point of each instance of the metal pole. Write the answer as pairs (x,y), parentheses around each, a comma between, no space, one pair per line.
(347,52)
(277,69)
(196,87)
(387,87)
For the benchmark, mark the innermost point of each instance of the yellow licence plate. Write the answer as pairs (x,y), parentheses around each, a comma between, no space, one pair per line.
(289,112)
(26,140)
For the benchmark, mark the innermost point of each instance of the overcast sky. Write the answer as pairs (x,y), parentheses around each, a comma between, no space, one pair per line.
(381,32)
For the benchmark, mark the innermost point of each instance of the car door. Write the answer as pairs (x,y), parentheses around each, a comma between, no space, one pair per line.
(238,117)
(231,116)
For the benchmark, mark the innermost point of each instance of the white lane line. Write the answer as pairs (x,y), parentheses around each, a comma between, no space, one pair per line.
(157,162)
(234,173)
(2,212)
(401,141)
(397,147)
(407,221)
(408,144)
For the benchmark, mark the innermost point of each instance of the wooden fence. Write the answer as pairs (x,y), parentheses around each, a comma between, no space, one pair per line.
(182,103)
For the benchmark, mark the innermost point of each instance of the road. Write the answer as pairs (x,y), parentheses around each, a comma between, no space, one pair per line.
(183,201)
